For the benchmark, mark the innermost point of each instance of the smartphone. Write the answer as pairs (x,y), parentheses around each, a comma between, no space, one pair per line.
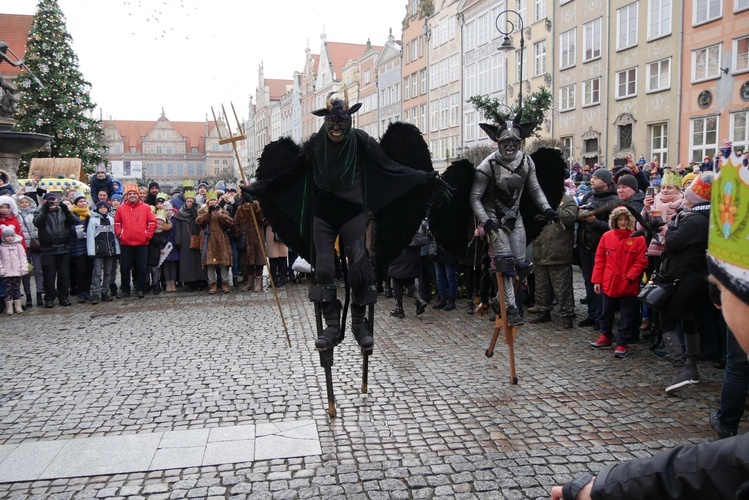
(650,191)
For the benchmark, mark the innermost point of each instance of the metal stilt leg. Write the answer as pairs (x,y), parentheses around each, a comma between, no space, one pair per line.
(326,361)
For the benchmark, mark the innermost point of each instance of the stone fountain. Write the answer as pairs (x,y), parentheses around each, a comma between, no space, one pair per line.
(14,144)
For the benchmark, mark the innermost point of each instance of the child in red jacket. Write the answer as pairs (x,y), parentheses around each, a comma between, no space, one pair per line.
(619,264)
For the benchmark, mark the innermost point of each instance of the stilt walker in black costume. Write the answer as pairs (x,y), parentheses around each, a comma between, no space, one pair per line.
(323,190)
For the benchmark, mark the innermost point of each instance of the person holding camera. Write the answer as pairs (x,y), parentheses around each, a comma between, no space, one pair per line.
(53,221)
(215,248)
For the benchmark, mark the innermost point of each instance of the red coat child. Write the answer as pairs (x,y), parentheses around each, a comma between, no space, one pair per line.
(620,262)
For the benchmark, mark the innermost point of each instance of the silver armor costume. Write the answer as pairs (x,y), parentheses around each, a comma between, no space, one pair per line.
(497,188)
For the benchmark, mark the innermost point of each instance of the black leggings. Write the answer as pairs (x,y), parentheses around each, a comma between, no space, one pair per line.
(324,236)
(399,284)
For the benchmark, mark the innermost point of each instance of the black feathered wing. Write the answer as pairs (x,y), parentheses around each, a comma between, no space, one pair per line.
(550,171)
(397,222)
(449,221)
(286,196)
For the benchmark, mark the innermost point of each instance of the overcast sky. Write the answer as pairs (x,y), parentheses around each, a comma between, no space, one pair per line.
(189,55)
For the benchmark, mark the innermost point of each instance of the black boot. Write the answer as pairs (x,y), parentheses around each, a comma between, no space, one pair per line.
(441,303)
(360,327)
(39,299)
(421,305)
(450,304)
(513,317)
(29,303)
(332,335)
(398,311)
(678,359)
(540,317)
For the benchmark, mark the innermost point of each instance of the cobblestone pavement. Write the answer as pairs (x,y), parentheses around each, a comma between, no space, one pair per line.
(440,419)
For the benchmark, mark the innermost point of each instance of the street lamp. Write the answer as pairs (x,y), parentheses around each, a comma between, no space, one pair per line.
(506,45)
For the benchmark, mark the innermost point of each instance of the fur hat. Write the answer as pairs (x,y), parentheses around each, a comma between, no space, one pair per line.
(615,213)
(700,190)
(8,200)
(630,181)
(29,199)
(211,195)
(604,174)
(727,258)
(129,187)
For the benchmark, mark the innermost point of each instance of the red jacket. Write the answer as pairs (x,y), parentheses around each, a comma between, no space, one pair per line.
(620,262)
(134,223)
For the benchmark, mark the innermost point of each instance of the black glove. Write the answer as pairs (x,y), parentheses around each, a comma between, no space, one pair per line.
(248,193)
(45,207)
(491,226)
(551,214)
(509,224)
(64,208)
(40,191)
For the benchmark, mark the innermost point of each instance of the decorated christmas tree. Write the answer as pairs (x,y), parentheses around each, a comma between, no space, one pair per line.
(58,103)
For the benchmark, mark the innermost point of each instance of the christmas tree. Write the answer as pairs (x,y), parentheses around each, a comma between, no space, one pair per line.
(61,106)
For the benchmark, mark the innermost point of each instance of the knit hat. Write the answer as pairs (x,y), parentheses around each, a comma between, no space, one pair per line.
(202,184)
(728,260)
(101,204)
(671,179)
(629,181)
(175,190)
(8,231)
(77,198)
(153,184)
(130,187)
(115,197)
(615,213)
(604,174)
(700,190)
(189,194)
(211,195)
(687,178)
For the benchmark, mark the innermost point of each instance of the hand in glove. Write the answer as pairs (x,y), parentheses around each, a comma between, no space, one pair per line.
(248,193)
(551,214)
(491,226)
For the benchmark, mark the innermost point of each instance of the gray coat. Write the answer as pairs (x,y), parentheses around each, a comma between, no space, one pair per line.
(190,268)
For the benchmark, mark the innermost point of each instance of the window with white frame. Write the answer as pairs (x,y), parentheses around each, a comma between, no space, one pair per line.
(626,83)
(483,29)
(626,26)
(434,116)
(497,71)
(592,92)
(367,76)
(704,137)
(567,48)
(406,89)
(423,113)
(706,63)
(423,78)
(454,67)
(405,115)
(740,131)
(434,76)
(659,75)
(592,40)
(519,63)
(470,130)
(741,54)
(659,18)
(539,58)
(469,80)
(451,22)
(707,10)
(539,9)
(444,71)
(567,98)
(469,35)
(414,85)
(444,112)
(522,8)
(483,76)
(740,5)
(454,110)
(568,148)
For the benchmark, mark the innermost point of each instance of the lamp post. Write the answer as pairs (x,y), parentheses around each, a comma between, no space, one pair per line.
(506,44)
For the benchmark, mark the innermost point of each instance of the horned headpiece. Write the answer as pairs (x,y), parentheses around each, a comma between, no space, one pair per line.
(337,108)
(512,130)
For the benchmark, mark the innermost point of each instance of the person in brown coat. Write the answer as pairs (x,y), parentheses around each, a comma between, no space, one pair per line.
(215,249)
(251,258)
(278,256)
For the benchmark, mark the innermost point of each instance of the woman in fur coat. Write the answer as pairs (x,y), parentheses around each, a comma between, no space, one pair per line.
(251,259)
(215,249)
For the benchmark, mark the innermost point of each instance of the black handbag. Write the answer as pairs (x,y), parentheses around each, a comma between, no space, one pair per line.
(242,242)
(656,295)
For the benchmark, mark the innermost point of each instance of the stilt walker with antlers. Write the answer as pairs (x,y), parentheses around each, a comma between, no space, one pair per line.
(322,191)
